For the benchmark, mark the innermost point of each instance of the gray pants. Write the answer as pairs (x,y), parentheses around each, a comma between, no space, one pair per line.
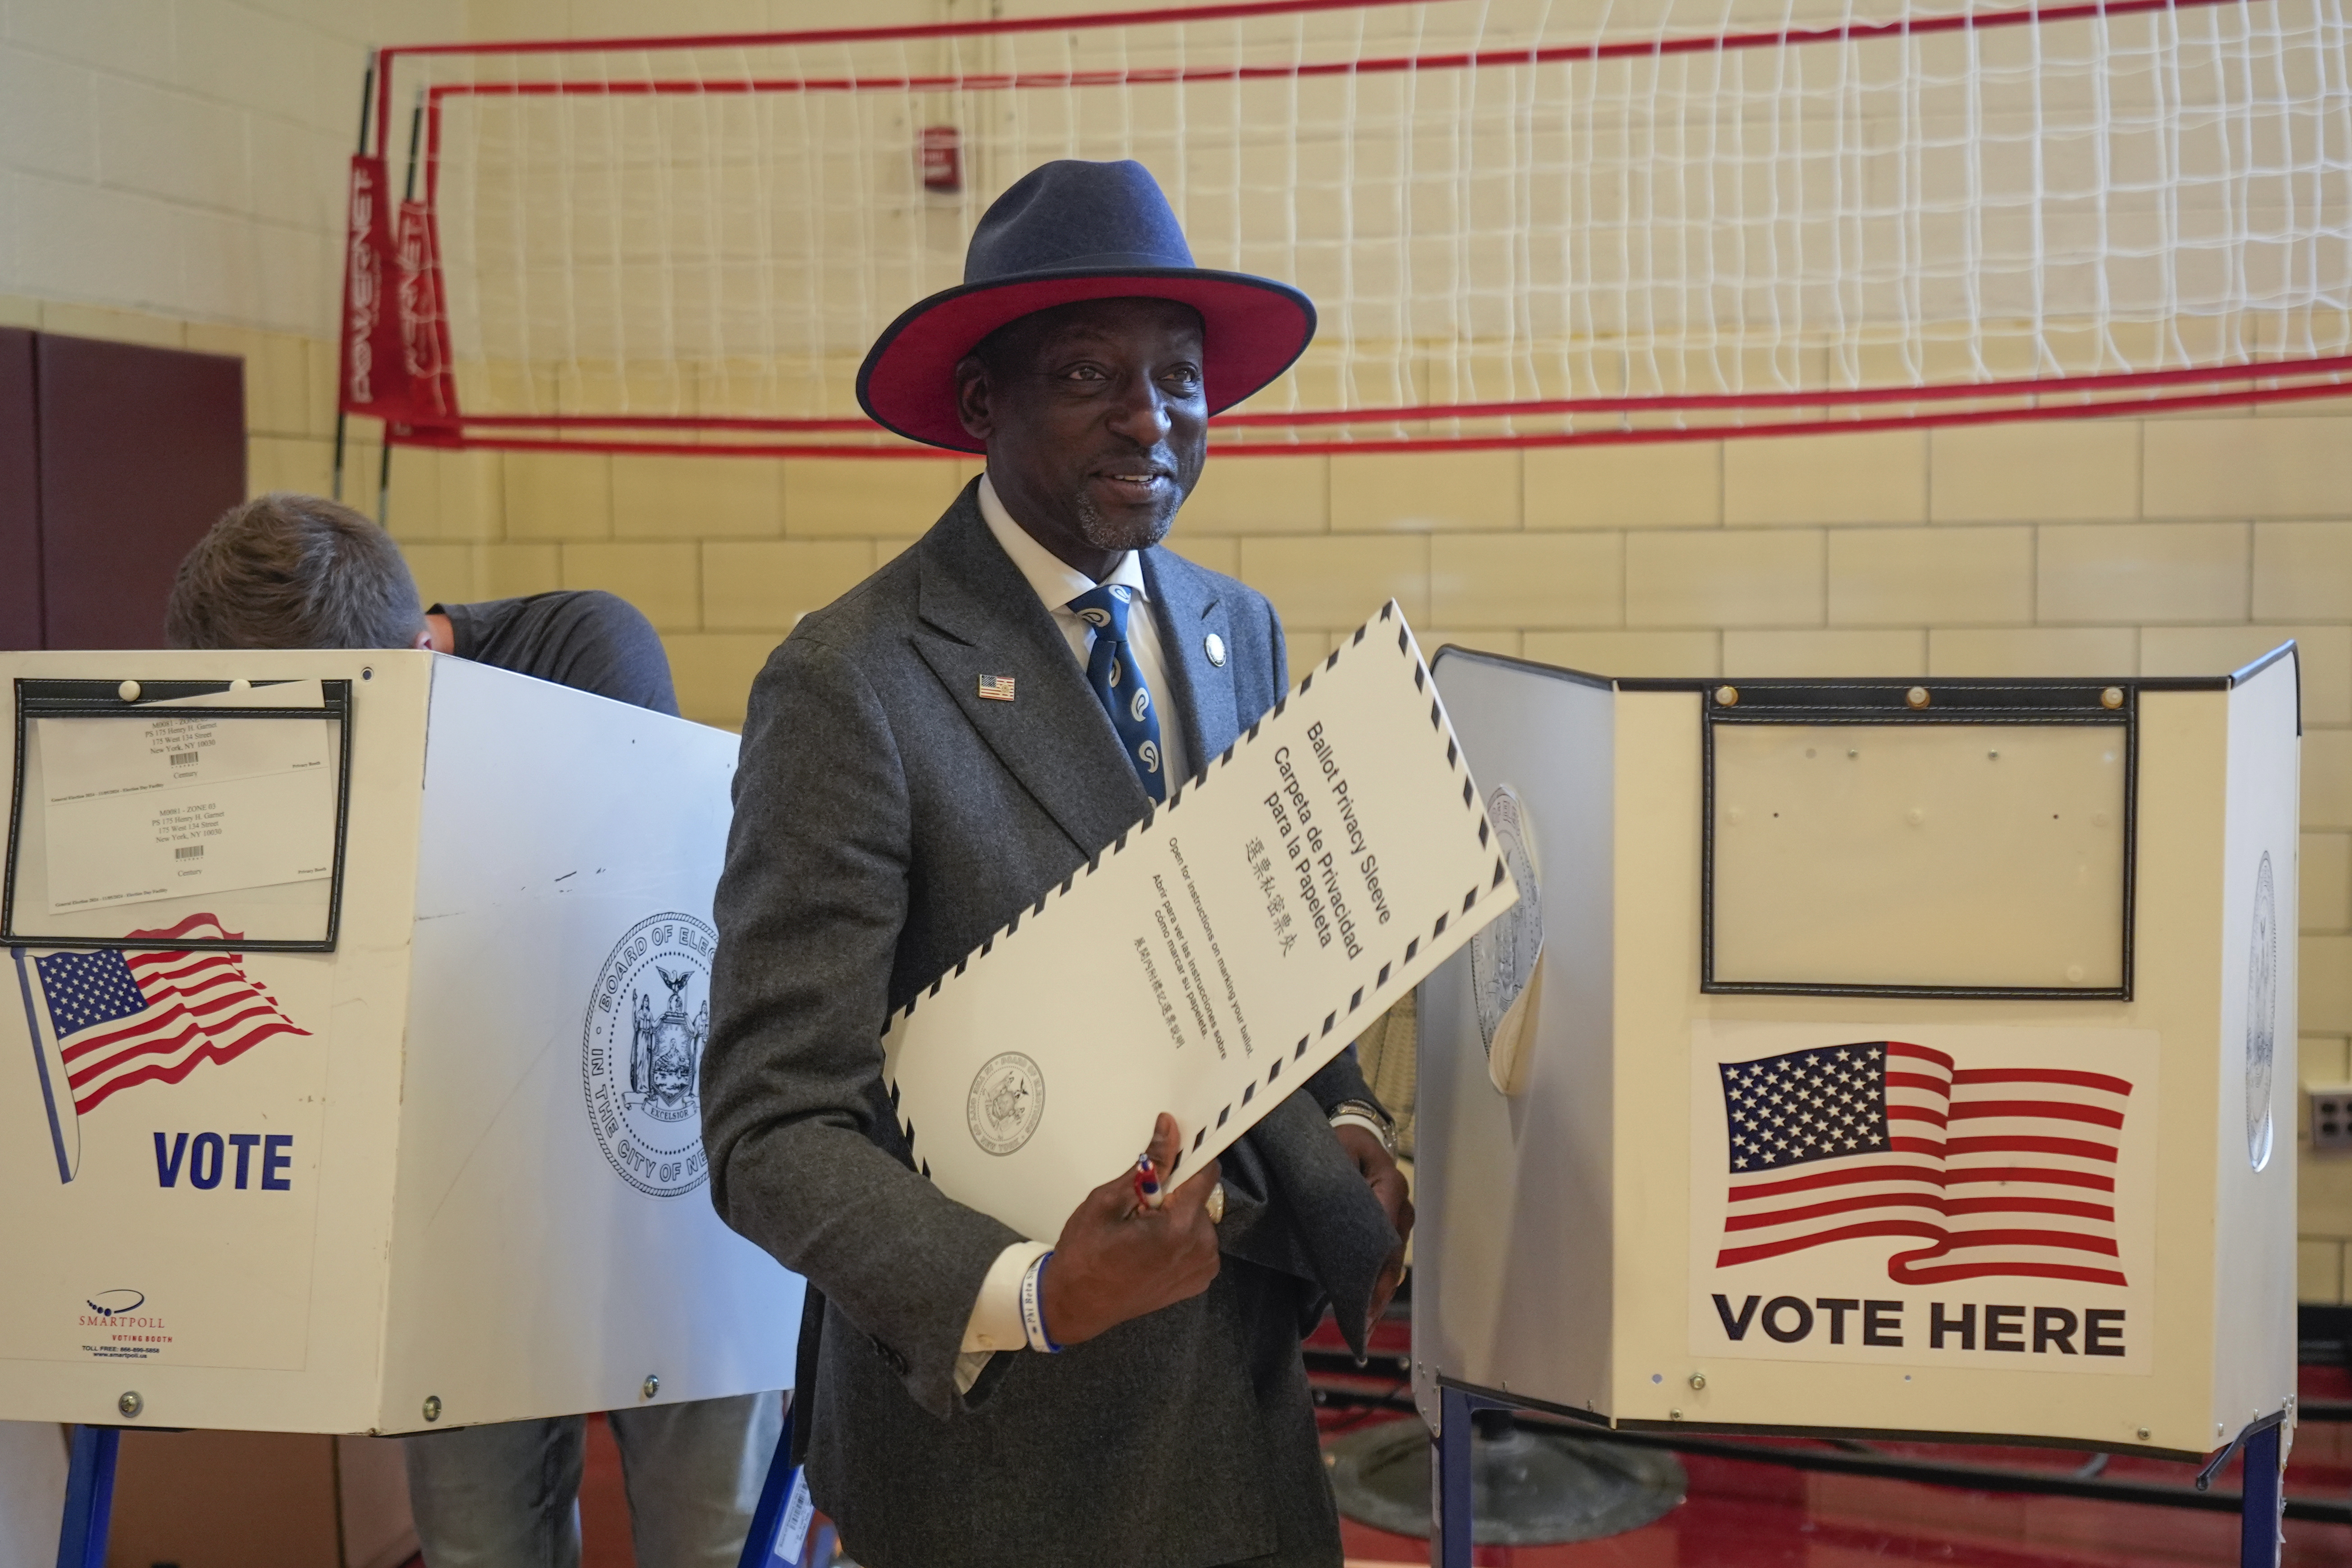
(507,1495)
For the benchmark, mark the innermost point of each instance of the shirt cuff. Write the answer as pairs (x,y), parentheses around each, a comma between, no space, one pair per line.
(995,1322)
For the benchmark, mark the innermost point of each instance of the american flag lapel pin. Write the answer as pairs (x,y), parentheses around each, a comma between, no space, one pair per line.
(996,688)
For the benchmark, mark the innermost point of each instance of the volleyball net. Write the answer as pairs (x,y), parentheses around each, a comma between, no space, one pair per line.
(1524,222)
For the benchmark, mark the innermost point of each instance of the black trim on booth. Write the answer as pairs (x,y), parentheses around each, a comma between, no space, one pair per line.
(1557,672)
(1889,702)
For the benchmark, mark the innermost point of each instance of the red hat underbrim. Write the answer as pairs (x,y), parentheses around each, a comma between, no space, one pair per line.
(1252,330)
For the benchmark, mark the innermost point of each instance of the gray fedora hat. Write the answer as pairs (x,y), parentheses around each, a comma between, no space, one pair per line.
(1068,231)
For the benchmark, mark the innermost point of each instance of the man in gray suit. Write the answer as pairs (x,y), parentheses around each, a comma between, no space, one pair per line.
(922,759)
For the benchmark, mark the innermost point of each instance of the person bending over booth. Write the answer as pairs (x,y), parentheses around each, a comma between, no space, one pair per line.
(923,758)
(297,571)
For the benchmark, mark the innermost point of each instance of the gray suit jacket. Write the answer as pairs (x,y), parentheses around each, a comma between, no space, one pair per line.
(886,820)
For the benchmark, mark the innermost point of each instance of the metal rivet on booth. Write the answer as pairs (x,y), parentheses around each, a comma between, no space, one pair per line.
(652,1384)
(1916,697)
(2143,1433)
(240,685)
(2111,697)
(433,1407)
(128,691)
(1674,1414)
(367,671)
(131,1404)
(1698,1380)
(1727,695)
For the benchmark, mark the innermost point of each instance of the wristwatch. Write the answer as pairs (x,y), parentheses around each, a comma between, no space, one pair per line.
(1367,1115)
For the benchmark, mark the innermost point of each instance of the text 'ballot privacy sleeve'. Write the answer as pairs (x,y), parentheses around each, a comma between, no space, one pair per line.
(1215,956)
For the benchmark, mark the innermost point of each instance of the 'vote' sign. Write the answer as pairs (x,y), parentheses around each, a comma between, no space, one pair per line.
(261,1162)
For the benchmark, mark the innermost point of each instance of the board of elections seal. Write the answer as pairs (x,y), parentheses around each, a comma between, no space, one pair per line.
(1504,954)
(2261,1018)
(641,1053)
(1006,1103)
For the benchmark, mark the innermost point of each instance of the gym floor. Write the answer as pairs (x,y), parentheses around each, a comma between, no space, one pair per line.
(1745,1515)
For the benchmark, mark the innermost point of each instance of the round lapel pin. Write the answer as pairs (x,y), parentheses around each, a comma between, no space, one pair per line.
(1214,646)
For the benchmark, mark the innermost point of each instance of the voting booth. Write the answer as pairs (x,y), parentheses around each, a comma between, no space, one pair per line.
(1871,1058)
(349,1064)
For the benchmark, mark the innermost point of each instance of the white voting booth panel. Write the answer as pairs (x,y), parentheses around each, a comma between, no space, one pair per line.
(446,1170)
(1902,1060)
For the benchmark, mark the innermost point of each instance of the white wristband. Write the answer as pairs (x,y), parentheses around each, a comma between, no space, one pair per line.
(1033,1306)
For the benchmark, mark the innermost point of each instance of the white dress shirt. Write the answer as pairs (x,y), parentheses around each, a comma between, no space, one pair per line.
(995,1322)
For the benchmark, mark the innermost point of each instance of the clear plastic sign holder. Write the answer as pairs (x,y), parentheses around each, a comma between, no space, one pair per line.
(126,793)
(1974,842)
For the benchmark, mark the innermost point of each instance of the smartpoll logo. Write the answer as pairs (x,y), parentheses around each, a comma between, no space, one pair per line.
(119,1326)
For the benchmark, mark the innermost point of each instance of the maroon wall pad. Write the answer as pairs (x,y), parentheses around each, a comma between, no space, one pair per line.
(20,497)
(141,450)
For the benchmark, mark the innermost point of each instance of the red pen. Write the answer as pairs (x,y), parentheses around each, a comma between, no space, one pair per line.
(1147,1182)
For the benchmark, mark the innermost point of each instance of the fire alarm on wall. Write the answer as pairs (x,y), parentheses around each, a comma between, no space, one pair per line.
(942,157)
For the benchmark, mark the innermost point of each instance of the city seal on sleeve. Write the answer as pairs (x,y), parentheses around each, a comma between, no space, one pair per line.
(1006,1103)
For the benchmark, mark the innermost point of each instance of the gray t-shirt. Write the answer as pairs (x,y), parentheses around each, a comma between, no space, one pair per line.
(588,639)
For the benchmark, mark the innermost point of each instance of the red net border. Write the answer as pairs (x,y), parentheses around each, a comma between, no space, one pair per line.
(393,256)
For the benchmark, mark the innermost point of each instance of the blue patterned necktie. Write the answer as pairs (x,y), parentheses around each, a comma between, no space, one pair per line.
(1117,682)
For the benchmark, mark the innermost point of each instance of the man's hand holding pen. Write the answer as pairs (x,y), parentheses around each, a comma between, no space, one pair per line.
(1122,1256)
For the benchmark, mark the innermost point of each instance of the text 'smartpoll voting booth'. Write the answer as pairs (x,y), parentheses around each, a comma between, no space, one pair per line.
(1871,1057)
(354,1016)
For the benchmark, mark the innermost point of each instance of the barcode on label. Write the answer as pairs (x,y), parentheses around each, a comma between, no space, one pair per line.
(183,758)
(189,852)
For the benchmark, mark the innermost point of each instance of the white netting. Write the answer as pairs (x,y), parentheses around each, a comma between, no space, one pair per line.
(717,233)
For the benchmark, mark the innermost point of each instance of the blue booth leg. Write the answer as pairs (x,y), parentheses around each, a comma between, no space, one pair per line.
(776,1497)
(1450,1509)
(90,1497)
(2260,1516)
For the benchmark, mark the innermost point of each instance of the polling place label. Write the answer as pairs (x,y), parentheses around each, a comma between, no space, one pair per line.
(163,805)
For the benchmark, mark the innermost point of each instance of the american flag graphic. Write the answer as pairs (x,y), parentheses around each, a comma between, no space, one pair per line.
(124,1017)
(2001,1171)
(996,688)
